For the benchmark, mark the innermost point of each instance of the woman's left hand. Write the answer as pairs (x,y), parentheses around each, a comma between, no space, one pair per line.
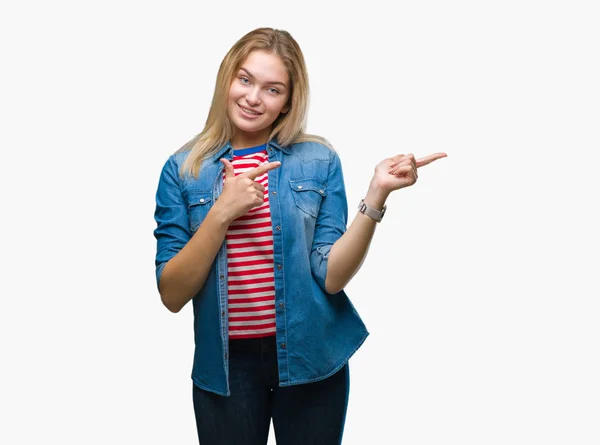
(400,171)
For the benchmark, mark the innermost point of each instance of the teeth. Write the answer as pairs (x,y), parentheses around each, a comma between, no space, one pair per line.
(249,111)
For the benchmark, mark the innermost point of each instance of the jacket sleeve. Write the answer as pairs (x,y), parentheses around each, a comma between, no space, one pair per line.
(172,232)
(331,220)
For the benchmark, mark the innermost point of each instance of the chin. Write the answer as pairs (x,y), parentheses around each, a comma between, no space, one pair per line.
(249,127)
(243,126)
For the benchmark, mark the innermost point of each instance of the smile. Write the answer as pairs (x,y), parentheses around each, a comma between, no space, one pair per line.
(248,111)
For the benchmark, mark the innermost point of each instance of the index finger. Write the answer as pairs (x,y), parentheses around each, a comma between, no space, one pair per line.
(255,172)
(429,159)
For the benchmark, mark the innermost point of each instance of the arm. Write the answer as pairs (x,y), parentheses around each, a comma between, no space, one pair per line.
(183,261)
(184,274)
(350,250)
(348,253)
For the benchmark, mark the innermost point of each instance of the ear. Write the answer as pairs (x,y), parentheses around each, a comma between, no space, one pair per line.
(285,109)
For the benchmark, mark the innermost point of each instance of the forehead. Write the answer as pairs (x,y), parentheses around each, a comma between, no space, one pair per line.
(265,66)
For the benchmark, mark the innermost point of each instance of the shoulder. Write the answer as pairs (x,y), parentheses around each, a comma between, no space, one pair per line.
(311,151)
(312,159)
(172,166)
(179,157)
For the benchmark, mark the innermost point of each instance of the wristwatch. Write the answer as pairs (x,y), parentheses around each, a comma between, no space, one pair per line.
(370,211)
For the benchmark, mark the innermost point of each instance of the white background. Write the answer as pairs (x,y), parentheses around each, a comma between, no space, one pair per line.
(481,288)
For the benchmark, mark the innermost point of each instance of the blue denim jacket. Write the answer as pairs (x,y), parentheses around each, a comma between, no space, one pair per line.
(316,332)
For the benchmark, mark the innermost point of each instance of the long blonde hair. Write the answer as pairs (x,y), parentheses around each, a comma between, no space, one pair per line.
(287,129)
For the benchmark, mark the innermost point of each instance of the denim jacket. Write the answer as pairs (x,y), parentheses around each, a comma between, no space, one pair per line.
(316,332)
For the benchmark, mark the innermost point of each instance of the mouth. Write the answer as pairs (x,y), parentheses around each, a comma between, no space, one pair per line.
(248,111)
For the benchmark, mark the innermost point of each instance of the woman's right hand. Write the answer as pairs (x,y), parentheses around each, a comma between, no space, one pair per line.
(242,193)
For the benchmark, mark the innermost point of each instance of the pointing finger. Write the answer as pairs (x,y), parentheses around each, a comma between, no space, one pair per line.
(255,172)
(429,159)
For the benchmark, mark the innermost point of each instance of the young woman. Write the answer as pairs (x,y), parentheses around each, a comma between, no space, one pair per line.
(251,226)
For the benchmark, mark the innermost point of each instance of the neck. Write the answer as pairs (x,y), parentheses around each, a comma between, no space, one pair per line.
(245,140)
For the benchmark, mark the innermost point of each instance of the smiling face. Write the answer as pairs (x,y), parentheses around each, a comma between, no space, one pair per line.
(257,96)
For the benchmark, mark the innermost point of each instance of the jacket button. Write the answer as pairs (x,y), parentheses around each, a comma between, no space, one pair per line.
(299,187)
(279,267)
(273,193)
(225,355)
(282,345)
(277,228)
(281,305)
(223,314)
(201,199)
(222,277)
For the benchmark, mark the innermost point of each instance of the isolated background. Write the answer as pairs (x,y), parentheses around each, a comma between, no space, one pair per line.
(481,288)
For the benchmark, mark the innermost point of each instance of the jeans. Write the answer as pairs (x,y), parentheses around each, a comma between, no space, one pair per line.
(311,413)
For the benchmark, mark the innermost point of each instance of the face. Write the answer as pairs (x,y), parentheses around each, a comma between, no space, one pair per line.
(257,96)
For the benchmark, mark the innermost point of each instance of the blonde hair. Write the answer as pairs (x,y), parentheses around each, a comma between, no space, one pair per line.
(287,129)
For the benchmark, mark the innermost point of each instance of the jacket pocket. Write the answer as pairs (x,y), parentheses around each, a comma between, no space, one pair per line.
(199,203)
(308,194)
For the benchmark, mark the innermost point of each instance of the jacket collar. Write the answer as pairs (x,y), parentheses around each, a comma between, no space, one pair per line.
(284,148)
(228,149)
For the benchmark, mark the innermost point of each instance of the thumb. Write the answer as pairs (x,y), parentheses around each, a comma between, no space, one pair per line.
(228,168)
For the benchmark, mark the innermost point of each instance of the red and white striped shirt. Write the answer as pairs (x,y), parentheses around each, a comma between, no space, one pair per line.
(251,282)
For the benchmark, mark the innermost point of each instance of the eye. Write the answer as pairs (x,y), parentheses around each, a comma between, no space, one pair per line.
(273,90)
(244,80)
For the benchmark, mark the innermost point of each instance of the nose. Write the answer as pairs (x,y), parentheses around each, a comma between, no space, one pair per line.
(253,97)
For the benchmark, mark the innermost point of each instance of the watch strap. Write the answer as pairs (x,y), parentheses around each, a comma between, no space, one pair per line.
(371,212)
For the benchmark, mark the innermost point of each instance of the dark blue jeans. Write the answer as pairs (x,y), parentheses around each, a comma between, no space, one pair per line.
(312,413)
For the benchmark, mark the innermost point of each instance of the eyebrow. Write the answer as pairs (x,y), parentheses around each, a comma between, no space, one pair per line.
(270,83)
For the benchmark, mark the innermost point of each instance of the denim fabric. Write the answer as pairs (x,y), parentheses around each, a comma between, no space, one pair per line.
(302,415)
(316,332)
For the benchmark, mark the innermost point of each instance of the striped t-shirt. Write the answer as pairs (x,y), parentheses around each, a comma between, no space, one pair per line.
(249,238)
